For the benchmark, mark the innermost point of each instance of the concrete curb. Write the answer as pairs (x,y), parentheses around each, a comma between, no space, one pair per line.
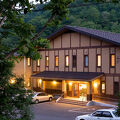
(94,103)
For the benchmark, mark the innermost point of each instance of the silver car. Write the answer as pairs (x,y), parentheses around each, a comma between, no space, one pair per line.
(41,96)
(103,114)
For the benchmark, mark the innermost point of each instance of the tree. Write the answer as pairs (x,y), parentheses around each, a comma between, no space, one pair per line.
(25,32)
(79,15)
(15,99)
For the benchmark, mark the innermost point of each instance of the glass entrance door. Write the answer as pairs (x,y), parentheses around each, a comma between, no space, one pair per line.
(72,89)
(83,92)
(69,89)
(75,90)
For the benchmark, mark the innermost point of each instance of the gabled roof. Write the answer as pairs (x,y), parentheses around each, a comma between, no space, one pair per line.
(99,34)
(59,75)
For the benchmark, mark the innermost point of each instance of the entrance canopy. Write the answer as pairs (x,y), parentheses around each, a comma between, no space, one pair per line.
(59,75)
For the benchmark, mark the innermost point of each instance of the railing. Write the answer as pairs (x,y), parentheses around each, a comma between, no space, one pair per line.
(62,96)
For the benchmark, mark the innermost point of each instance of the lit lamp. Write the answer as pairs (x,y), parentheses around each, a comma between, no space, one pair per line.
(95,85)
(40,81)
(54,82)
(12,81)
(70,83)
(28,84)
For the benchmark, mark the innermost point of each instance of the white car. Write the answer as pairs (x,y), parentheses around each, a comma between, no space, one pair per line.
(102,114)
(41,96)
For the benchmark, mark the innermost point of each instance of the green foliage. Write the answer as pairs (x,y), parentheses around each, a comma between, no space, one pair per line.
(20,38)
(17,35)
(97,16)
(118,109)
(14,99)
(24,34)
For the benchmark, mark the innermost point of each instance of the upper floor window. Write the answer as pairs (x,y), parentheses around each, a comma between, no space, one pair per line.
(38,62)
(112,60)
(98,60)
(103,87)
(116,88)
(56,61)
(67,61)
(86,60)
(47,61)
(28,61)
(74,61)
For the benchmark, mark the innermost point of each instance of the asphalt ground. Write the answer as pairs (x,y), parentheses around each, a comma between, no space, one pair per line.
(60,111)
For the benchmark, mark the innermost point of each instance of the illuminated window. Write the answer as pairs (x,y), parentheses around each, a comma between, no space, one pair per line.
(56,61)
(86,60)
(38,62)
(98,60)
(74,61)
(67,61)
(112,60)
(103,87)
(28,61)
(47,61)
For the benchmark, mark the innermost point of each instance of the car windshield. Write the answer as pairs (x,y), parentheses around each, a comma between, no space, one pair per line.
(115,113)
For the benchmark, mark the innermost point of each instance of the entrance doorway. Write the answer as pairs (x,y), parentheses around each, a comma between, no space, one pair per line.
(77,90)
(83,92)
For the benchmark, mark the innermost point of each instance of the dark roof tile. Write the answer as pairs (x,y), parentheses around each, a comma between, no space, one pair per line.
(103,35)
(82,76)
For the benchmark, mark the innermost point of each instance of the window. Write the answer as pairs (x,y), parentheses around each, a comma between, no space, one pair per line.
(112,60)
(74,61)
(41,94)
(97,114)
(103,87)
(86,60)
(116,88)
(38,62)
(56,61)
(106,114)
(28,61)
(47,61)
(67,61)
(98,60)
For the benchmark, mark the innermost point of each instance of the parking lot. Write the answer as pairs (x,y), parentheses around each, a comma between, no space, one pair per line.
(60,111)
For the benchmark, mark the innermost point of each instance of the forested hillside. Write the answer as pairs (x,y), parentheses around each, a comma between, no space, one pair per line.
(97,16)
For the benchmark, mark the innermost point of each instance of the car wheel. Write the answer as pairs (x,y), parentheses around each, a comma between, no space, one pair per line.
(50,99)
(36,101)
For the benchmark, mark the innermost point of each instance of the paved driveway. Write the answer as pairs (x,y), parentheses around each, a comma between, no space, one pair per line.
(59,111)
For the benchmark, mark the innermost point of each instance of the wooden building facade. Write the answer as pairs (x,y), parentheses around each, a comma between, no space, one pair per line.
(80,62)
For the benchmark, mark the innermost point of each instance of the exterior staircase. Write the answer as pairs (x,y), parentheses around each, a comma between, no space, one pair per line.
(73,102)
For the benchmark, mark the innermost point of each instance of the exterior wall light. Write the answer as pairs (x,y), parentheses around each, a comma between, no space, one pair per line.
(28,84)
(40,81)
(95,85)
(70,83)
(54,82)
(12,81)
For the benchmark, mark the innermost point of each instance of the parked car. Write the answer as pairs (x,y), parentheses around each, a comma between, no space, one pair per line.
(41,96)
(102,114)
